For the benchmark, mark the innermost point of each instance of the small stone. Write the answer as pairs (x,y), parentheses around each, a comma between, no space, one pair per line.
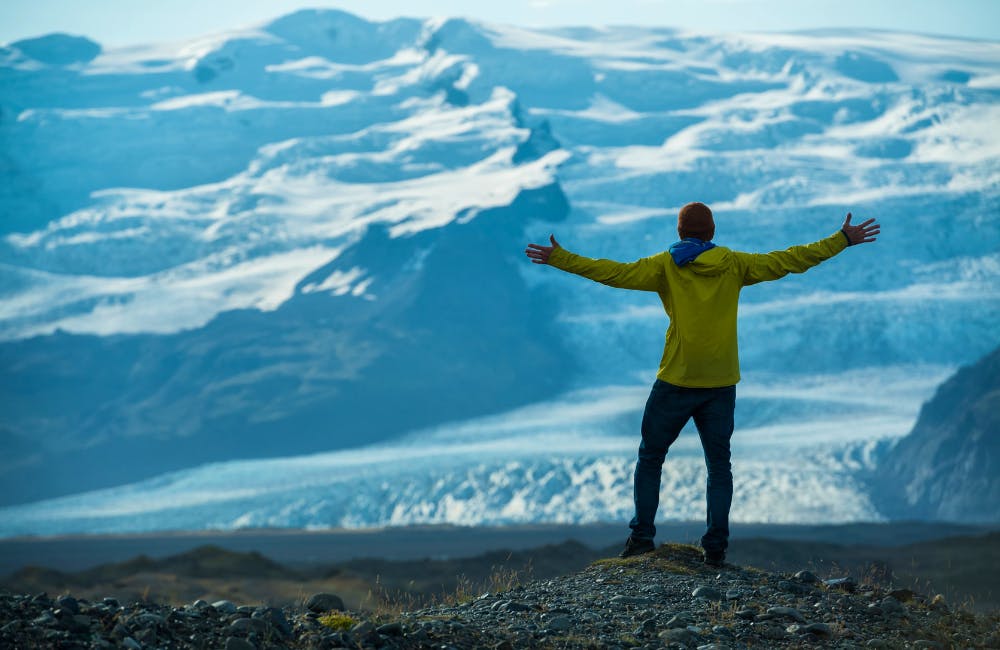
(631,600)
(902,595)
(514,606)
(890,605)
(147,636)
(559,624)
(46,619)
(722,630)
(878,644)
(642,630)
(390,629)
(790,587)
(235,643)
(679,621)
(132,644)
(364,628)
(149,619)
(790,612)
(11,627)
(276,618)
(807,577)
(224,606)
(80,622)
(708,593)
(199,604)
(712,646)
(819,629)
(248,625)
(928,645)
(324,602)
(772,632)
(733,594)
(746,614)
(111,602)
(844,584)
(648,625)
(504,645)
(678,635)
(68,603)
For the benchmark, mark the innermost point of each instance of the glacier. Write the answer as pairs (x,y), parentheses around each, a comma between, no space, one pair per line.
(565,461)
(273,277)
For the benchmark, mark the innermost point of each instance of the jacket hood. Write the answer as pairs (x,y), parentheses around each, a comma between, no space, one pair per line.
(689,248)
(711,262)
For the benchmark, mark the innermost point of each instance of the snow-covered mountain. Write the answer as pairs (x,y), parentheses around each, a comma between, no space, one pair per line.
(307,237)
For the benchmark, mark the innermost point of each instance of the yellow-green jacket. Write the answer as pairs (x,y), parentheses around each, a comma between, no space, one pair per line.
(700,299)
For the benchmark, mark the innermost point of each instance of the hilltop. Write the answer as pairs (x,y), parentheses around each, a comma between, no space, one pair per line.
(664,599)
(412,568)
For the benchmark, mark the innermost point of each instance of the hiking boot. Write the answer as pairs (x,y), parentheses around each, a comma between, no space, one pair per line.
(637,546)
(715,558)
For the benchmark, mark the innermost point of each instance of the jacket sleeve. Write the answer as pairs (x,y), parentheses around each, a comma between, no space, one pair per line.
(645,274)
(762,267)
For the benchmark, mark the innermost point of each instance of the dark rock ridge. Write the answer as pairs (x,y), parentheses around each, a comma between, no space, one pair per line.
(664,599)
(946,469)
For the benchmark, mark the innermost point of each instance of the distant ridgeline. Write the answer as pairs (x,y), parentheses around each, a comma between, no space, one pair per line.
(948,468)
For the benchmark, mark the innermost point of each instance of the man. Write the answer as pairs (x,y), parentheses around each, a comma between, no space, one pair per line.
(699,284)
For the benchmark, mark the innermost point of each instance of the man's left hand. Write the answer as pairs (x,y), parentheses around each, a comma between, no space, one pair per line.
(861,233)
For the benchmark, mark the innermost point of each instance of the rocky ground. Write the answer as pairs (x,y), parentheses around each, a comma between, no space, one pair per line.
(667,599)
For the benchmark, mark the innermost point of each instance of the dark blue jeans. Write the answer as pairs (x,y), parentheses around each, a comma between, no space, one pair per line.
(668,409)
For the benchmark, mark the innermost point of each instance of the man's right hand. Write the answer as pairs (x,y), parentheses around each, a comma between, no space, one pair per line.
(860,234)
(540,254)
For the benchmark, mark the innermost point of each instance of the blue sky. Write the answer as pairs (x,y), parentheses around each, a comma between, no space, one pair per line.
(123,22)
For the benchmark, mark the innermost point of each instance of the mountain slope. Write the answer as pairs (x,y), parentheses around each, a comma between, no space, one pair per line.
(946,468)
(340,370)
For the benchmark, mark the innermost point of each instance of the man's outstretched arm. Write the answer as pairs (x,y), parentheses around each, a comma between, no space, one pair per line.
(645,274)
(797,259)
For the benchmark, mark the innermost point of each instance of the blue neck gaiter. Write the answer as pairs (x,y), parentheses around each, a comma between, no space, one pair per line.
(689,248)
